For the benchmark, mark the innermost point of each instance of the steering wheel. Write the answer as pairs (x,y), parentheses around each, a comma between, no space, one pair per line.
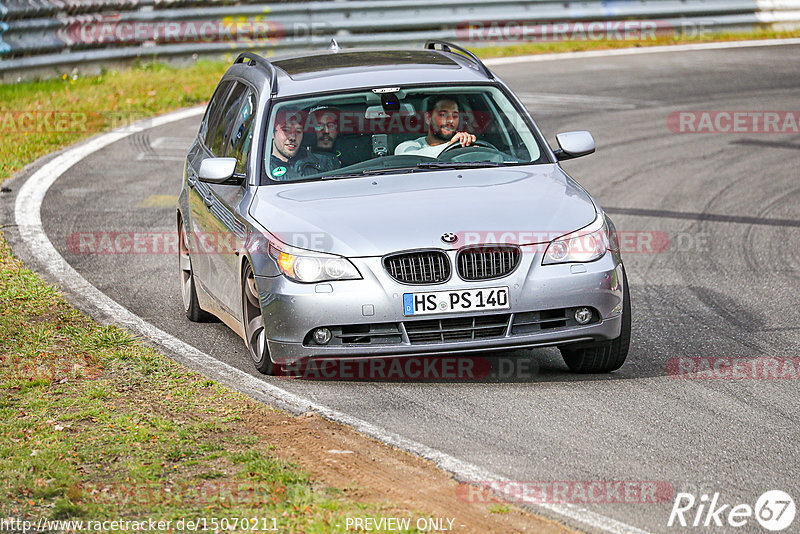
(475,144)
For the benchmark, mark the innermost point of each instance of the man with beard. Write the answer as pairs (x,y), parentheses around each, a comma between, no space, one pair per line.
(288,159)
(441,118)
(325,120)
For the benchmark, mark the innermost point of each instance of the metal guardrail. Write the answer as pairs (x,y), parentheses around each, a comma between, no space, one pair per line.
(4,48)
(25,9)
(779,14)
(60,34)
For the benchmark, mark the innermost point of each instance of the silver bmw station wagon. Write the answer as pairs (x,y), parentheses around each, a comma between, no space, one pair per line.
(373,203)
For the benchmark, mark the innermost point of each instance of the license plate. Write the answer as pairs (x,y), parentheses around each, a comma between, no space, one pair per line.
(487,298)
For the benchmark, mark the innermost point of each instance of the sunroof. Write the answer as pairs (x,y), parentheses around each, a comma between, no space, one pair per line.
(343,60)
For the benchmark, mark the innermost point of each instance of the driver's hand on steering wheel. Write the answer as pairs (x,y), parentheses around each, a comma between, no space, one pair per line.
(464,138)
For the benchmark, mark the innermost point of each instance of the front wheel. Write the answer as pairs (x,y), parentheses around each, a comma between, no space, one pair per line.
(254,324)
(606,356)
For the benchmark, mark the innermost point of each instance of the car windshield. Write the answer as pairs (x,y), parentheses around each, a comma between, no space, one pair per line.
(394,130)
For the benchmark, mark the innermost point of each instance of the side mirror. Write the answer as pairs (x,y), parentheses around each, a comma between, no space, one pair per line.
(219,171)
(574,145)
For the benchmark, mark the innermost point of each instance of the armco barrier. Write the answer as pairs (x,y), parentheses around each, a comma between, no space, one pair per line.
(27,9)
(33,36)
(294,22)
(4,48)
(779,14)
(62,34)
(20,9)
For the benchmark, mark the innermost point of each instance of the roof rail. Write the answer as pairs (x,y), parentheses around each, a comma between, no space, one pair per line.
(255,59)
(449,47)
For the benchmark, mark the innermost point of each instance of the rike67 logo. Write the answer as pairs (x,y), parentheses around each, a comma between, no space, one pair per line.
(774,511)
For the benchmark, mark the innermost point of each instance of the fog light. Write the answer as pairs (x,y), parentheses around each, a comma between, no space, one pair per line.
(322,336)
(583,315)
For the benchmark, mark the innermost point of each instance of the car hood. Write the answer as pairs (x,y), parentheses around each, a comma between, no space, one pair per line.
(376,215)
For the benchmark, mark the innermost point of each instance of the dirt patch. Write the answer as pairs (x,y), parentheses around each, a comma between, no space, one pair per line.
(373,472)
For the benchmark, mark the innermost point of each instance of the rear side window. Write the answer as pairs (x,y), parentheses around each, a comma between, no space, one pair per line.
(223,125)
(241,134)
(229,112)
(214,112)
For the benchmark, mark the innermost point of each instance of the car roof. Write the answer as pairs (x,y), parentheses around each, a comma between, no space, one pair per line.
(335,70)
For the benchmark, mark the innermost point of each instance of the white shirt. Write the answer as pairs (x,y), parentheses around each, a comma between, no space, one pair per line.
(420,147)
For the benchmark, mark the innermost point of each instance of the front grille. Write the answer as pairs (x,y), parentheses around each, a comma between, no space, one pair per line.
(422,267)
(486,263)
(457,329)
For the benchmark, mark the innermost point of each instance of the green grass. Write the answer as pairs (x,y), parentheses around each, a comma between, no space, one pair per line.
(96,425)
(87,105)
(499,508)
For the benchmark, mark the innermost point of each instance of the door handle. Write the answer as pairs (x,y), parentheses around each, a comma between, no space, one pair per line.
(191,181)
(209,201)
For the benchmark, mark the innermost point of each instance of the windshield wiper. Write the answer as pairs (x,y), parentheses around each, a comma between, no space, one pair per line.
(371,172)
(425,165)
(457,164)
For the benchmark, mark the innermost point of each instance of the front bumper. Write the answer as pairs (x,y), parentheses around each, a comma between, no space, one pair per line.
(291,310)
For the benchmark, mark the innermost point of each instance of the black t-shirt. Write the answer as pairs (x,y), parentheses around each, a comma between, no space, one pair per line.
(305,163)
(335,155)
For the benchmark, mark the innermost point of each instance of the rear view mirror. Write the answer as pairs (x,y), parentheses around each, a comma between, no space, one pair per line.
(219,171)
(574,145)
(380,112)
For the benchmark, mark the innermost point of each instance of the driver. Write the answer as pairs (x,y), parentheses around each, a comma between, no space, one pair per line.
(325,120)
(288,159)
(442,120)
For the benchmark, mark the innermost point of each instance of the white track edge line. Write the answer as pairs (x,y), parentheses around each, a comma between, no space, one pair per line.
(28,217)
(641,50)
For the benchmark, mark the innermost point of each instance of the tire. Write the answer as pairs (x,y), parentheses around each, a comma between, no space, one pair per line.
(606,356)
(255,336)
(189,292)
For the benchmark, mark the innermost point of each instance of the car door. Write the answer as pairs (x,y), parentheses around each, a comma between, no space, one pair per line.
(225,223)
(198,192)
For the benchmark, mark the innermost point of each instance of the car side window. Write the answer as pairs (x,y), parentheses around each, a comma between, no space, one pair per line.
(214,112)
(223,126)
(241,134)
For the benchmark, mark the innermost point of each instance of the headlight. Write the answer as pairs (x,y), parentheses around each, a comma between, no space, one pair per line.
(306,266)
(587,244)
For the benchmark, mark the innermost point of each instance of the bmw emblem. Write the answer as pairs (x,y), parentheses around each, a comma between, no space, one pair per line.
(449,237)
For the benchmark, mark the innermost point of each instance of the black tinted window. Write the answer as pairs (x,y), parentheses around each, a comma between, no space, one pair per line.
(213,112)
(223,126)
(242,132)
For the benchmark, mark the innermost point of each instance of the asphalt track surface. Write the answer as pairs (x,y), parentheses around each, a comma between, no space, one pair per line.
(725,286)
